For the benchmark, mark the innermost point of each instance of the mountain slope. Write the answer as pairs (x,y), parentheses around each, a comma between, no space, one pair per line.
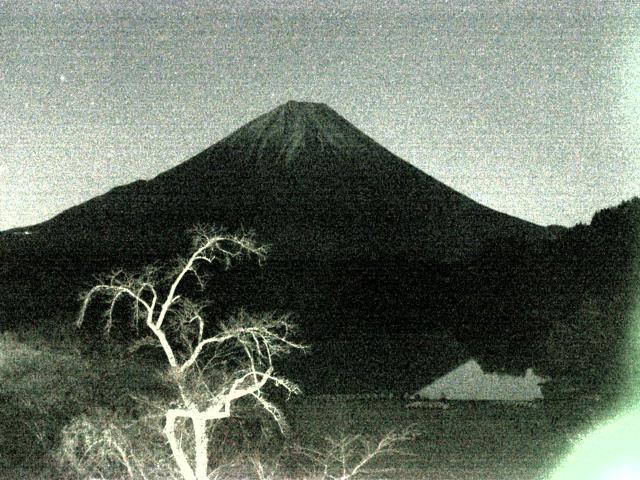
(367,251)
(308,182)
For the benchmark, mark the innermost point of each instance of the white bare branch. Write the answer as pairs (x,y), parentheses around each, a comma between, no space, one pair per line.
(178,325)
(209,247)
(346,457)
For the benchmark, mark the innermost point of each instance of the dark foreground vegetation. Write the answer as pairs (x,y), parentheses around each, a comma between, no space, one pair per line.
(46,389)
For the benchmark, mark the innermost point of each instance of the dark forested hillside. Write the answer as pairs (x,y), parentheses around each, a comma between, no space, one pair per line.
(565,304)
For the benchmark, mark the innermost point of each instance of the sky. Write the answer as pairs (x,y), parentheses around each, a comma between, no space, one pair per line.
(532,110)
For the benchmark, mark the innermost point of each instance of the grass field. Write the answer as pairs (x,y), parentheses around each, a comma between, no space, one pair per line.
(42,388)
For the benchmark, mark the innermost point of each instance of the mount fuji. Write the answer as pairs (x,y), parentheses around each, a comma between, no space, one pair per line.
(368,252)
(307,181)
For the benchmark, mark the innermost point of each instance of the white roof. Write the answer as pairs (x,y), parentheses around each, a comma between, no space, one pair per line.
(469,382)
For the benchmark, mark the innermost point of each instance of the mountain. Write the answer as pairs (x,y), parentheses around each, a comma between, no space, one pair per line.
(367,251)
(307,181)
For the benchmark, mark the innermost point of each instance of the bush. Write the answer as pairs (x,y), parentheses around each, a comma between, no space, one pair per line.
(104,444)
(350,456)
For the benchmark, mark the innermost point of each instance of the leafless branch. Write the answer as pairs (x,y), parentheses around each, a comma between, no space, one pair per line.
(346,457)
(178,325)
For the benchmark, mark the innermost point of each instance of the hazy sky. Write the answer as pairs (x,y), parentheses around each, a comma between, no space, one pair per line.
(531,110)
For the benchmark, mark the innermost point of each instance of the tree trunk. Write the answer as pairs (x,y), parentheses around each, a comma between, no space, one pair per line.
(202,459)
(176,449)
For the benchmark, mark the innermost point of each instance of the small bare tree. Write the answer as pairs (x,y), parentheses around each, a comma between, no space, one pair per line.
(348,456)
(177,325)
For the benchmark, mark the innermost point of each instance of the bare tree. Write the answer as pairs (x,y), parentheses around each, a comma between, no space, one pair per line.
(178,326)
(348,456)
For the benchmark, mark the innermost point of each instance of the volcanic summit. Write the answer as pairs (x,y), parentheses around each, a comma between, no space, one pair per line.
(307,181)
